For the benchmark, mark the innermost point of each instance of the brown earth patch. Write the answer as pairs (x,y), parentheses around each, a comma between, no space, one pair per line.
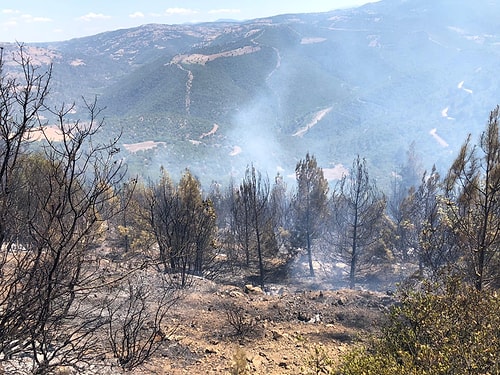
(283,329)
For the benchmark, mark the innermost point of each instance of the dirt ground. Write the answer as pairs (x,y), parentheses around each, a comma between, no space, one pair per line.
(278,332)
(216,325)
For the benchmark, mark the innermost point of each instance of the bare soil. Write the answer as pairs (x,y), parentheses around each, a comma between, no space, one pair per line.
(142,146)
(279,331)
(272,332)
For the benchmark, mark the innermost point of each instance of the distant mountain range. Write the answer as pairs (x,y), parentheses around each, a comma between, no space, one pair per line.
(216,97)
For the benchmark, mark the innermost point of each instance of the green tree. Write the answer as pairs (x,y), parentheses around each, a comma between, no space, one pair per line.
(472,205)
(184,225)
(310,204)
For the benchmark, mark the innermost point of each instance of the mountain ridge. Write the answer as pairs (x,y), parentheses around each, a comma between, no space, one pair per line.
(368,81)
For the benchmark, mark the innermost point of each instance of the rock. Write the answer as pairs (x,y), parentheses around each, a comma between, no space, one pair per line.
(250,289)
(210,351)
(283,364)
(236,294)
(276,335)
(315,319)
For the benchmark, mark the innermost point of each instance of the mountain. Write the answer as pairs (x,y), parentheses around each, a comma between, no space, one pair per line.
(216,97)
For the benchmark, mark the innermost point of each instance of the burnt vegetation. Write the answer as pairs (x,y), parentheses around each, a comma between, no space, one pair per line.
(87,252)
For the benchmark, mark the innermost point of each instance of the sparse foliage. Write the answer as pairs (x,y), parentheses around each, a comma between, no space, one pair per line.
(427,235)
(282,214)
(240,363)
(55,196)
(253,224)
(254,191)
(318,362)
(472,205)
(241,224)
(404,184)
(237,318)
(358,211)
(184,225)
(136,316)
(310,204)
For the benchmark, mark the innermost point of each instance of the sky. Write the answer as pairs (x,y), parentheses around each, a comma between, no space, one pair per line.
(56,20)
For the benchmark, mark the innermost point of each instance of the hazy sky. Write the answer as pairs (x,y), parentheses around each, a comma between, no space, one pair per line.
(54,20)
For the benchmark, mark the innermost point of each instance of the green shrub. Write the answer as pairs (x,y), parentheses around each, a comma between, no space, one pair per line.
(450,329)
(317,362)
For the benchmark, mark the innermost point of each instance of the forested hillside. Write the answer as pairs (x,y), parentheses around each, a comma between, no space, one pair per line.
(368,81)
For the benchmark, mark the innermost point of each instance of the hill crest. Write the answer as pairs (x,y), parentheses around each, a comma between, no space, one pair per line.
(369,81)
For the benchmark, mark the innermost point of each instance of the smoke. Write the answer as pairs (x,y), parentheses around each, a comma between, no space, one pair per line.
(254,139)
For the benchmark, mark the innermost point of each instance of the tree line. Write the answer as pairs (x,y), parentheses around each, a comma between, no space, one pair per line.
(436,224)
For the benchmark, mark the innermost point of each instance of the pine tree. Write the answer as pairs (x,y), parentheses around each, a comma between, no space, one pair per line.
(472,204)
(359,208)
(310,204)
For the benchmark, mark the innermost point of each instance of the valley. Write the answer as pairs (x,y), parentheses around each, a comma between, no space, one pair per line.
(387,69)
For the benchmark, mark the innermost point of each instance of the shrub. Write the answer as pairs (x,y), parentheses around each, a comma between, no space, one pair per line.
(240,365)
(318,361)
(239,320)
(135,319)
(441,329)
